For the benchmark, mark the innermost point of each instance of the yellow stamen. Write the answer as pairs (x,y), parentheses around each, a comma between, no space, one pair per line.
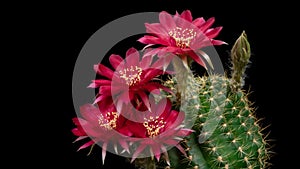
(110,122)
(131,75)
(183,37)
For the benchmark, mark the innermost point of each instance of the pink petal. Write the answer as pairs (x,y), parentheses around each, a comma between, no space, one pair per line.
(179,118)
(156,28)
(166,21)
(178,146)
(104,146)
(99,98)
(199,22)
(162,107)
(76,121)
(156,150)
(187,15)
(115,60)
(171,142)
(105,103)
(184,132)
(78,132)
(150,74)
(146,61)
(99,82)
(137,129)
(169,49)
(213,32)
(197,58)
(119,105)
(80,138)
(152,87)
(218,42)
(104,71)
(207,24)
(89,112)
(145,99)
(167,157)
(151,52)
(86,145)
(183,23)
(163,61)
(124,144)
(163,148)
(147,39)
(132,57)
(125,97)
(138,151)
(105,90)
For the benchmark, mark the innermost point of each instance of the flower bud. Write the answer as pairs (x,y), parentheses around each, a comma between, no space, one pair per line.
(240,55)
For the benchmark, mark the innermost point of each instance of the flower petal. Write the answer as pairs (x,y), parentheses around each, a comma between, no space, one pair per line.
(157,29)
(99,82)
(78,132)
(124,96)
(147,39)
(89,112)
(146,61)
(184,132)
(138,151)
(206,57)
(115,60)
(199,22)
(213,32)
(105,90)
(156,150)
(152,87)
(218,42)
(80,138)
(145,99)
(104,147)
(187,15)
(181,149)
(124,144)
(207,24)
(150,74)
(132,57)
(197,58)
(91,142)
(166,21)
(163,61)
(104,71)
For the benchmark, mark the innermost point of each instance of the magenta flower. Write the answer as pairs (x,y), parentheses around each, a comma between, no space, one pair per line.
(181,35)
(102,128)
(131,81)
(162,128)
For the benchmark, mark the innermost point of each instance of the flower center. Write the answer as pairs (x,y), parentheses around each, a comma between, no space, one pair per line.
(182,37)
(131,75)
(153,125)
(109,122)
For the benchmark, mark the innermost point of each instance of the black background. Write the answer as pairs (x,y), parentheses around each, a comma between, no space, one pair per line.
(55,34)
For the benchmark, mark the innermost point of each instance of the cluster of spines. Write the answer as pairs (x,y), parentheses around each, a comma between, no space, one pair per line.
(228,134)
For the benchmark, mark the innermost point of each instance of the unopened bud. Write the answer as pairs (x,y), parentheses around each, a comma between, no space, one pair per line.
(240,55)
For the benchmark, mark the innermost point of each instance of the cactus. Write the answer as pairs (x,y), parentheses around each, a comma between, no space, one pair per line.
(227,133)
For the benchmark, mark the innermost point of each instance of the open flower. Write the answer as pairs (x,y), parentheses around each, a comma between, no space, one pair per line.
(162,128)
(183,36)
(102,128)
(131,81)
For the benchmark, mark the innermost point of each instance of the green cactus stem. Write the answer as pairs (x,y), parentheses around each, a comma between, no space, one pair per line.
(227,133)
(228,137)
